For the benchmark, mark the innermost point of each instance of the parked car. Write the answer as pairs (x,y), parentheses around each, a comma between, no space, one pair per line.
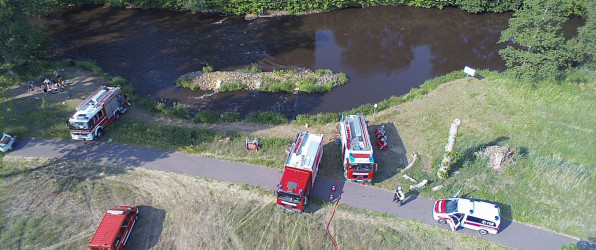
(478,215)
(6,142)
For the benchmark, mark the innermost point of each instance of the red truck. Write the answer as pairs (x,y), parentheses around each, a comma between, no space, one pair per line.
(97,111)
(300,172)
(114,229)
(356,149)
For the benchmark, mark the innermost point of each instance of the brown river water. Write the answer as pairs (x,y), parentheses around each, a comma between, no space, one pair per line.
(384,51)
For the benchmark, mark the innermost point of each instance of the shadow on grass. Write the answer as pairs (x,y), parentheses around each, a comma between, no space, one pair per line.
(469,154)
(390,160)
(148,228)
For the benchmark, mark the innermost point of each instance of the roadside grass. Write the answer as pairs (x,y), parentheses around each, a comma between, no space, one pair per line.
(36,117)
(181,212)
(205,142)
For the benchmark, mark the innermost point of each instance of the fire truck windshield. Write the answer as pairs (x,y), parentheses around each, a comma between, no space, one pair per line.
(289,197)
(362,167)
(79,125)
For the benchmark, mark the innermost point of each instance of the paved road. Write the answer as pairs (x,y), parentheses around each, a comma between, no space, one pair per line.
(365,197)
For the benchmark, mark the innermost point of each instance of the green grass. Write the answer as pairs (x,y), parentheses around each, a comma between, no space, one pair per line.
(197,212)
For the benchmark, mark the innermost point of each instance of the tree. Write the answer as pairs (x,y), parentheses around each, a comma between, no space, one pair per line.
(20,41)
(583,46)
(537,48)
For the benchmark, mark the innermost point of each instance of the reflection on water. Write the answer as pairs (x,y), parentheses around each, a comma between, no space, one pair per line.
(384,51)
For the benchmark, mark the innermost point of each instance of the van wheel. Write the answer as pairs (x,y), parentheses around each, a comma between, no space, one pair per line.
(483,232)
(442,221)
(99,133)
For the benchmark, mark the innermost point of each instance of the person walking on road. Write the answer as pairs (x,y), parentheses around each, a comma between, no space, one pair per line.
(399,196)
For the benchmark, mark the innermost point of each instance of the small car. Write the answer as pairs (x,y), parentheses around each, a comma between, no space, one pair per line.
(6,142)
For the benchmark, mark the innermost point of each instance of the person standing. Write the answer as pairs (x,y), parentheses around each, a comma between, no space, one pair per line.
(44,86)
(399,196)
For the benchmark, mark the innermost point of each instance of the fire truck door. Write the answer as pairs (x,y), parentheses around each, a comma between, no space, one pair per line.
(455,221)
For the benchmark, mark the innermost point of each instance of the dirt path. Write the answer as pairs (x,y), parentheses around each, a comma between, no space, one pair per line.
(375,199)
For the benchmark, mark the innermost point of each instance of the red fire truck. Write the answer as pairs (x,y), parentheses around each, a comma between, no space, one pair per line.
(300,172)
(96,112)
(356,149)
(114,229)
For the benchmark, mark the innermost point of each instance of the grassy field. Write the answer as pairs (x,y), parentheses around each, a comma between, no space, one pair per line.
(551,184)
(58,204)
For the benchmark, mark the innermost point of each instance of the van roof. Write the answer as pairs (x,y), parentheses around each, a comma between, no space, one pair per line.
(109,227)
(481,209)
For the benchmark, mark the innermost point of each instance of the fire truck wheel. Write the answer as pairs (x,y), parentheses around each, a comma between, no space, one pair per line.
(442,221)
(99,133)
(483,232)
(117,115)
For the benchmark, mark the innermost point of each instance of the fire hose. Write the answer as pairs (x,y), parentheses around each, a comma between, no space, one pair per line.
(336,201)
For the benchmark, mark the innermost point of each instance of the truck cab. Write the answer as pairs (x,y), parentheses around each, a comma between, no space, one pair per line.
(478,215)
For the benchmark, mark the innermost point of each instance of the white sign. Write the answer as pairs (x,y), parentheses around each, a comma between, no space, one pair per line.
(469,71)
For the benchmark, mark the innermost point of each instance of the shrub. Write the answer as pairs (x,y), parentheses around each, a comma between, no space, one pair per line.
(342,78)
(322,72)
(176,111)
(279,72)
(206,116)
(253,69)
(207,69)
(187,83)
(320,118)
(267,117)
(231,86)
(274,85)
(231,117)
(118,81)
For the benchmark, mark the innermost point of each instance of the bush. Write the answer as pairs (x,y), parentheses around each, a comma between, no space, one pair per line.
(231,86)
(253,69)
(187,83)
(231,117)
(322,72)
(206,116)
(207,69)
(274,85)
(176,111)
(342,78)
(118,81)
(320,118)
(267,117)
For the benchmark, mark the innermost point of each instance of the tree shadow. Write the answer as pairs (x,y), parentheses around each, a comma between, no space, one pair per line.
(469,154)
(148,228)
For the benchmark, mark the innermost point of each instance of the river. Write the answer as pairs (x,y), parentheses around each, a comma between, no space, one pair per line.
(384,51)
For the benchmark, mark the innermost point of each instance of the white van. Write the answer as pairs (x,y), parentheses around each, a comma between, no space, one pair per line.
(478,215)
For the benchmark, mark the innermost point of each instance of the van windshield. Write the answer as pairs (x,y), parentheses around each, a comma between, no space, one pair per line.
(451,206)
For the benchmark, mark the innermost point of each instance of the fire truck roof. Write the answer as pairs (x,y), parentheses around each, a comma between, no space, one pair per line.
(304,151)
(355,130)
(90,106)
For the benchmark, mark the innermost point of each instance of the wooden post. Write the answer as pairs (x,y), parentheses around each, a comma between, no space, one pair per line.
(448,156)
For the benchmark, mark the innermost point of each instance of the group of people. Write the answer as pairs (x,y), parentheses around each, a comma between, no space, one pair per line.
(49,86)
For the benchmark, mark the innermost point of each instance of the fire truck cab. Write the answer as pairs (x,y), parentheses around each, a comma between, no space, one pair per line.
(356,149)
(96,112)
(478,215)
(114,229)
(300,172)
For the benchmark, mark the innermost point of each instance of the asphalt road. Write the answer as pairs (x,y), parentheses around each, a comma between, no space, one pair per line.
(355,195)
